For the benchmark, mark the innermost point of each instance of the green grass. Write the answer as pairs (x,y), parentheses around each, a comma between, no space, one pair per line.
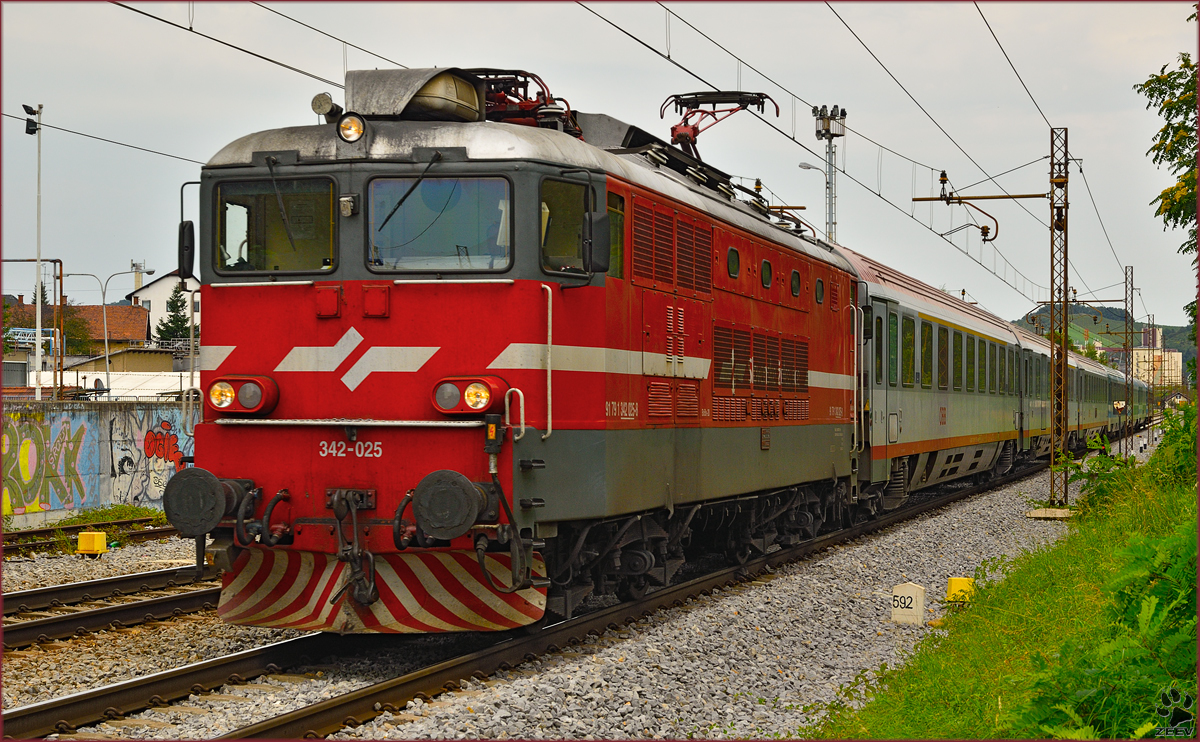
(977,680)
(65,543)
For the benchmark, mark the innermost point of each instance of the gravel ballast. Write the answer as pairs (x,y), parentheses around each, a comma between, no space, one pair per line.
(43,570)
(751,661)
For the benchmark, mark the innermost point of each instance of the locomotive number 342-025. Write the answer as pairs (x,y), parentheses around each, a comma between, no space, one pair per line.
(360,449)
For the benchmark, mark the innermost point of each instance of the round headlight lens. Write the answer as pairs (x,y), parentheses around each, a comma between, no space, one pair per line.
(447,396)
(249,395)
(221,394)
(477,395)
(351,127)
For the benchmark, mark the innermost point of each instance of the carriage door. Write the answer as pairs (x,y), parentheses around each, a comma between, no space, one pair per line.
(881,368)
(1025,390)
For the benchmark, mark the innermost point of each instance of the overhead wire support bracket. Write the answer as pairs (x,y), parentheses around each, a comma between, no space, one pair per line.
(950,197)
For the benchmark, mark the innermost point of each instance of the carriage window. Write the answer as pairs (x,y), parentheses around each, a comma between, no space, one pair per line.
(616,235)
(1013,386)
(992,368)
(795,283)
(908,353)
(983,356)
(958,361)
(943,358)
(926,355)
(733,262)
(765,274)
(893,347)
(285,226)
(820,291)
(1002,388)
(443,224)
(970,363)
(879,341)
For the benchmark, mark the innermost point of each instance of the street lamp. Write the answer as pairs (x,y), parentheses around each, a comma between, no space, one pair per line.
(828,214)
(35,127)
(104,314)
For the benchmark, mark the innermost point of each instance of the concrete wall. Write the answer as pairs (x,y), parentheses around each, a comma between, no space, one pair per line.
(61,457)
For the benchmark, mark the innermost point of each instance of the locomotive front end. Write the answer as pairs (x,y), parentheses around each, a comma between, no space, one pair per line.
(378,295)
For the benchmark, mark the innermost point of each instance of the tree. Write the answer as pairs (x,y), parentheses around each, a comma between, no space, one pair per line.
(1173,94)
(175,325)
(9,345)
(77,336)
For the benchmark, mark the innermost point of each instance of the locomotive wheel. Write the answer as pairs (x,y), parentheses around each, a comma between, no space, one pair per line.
(738,553)
(633,588)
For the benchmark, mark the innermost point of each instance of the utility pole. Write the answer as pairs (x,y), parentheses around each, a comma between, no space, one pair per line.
(35,127)
(1058,313)
(1126,444)
(830,125)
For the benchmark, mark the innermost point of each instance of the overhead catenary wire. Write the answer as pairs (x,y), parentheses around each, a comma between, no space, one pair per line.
(231,46)
(1010,64)
(989,177)
(842,170)
(329,35)
(102,139)
(784,88)
(882,148)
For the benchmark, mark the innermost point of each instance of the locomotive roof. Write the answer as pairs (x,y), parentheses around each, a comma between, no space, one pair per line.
(394,141)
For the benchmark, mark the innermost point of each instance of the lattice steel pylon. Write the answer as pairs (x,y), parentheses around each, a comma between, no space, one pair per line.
(1058,312)
(1126,443)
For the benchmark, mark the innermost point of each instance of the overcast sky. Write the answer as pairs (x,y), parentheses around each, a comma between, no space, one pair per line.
(104,70)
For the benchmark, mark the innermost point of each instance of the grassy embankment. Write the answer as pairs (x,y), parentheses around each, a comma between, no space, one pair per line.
(1074,640)
(116,534)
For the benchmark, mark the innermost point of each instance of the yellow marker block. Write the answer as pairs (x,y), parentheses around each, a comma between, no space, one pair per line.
(960,589)
(92,542)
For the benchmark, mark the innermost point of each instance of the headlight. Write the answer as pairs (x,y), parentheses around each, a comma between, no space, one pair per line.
(221,394)
(477,396)
(249,395)
(351,127)
(446,396)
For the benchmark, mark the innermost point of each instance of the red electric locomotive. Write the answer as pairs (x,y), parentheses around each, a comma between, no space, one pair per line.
(471,356)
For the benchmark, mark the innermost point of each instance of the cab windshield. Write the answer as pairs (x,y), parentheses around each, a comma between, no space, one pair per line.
(284,226)
(443,224)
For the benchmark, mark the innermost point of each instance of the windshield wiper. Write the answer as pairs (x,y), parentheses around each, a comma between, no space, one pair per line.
(437,155)
(287,226)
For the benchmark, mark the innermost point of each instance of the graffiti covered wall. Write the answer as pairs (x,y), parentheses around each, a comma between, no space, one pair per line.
(66,456)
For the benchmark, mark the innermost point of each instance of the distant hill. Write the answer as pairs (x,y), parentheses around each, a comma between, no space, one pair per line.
(1085,329)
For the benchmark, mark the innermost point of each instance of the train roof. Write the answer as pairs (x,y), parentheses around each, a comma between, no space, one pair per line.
(605,145)
(888,282)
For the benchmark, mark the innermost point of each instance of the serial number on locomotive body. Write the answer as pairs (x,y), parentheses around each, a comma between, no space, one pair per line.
(342,449)
(621,410)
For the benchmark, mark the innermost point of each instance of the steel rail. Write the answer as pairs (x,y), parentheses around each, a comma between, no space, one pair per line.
(65,715)
(358,706)
(118,615)
(147,534)
(51,530)
(75,592)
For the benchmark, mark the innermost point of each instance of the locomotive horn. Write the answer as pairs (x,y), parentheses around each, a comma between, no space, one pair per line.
(446,504)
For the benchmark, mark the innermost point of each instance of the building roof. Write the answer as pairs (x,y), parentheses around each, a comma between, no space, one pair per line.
(115,353)
(173,276)
(126,323)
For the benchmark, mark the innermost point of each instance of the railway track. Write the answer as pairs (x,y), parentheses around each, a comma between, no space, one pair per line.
(61,611)
(67,714)
(25,547)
